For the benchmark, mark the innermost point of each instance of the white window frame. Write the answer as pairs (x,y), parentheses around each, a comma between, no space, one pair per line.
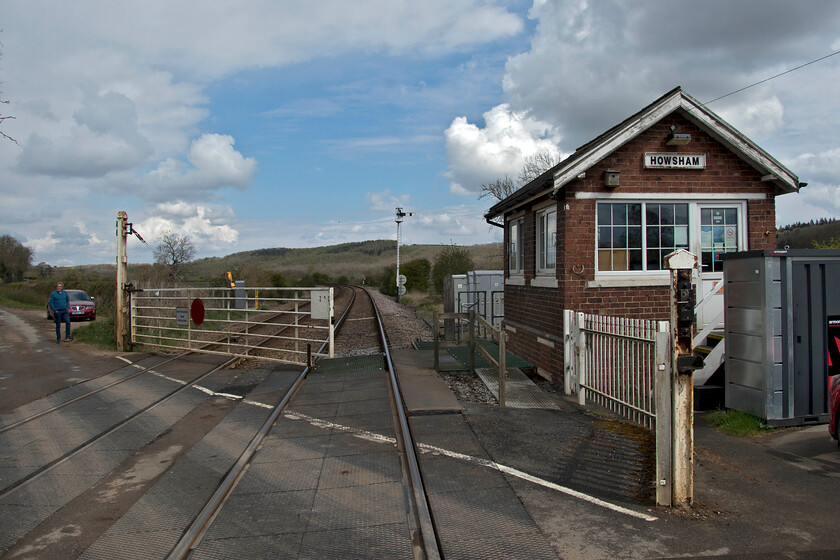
(741,208)
(662,277)
(543,240)
(519,269)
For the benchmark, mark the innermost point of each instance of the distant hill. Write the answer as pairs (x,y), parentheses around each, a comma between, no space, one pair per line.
(802,235)
(353,260)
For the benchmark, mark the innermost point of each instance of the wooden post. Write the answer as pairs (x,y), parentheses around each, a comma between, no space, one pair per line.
(681,263)
(121,316)
(471,342)
(502,367)
(448,307)
(436,338)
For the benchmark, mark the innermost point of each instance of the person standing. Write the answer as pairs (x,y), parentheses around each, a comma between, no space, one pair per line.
(60,307)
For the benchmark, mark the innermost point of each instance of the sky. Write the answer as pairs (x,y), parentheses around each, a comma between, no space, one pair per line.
(250,124)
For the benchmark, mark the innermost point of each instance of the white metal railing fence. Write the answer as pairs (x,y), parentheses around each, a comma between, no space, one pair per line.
(278,324)
(613,361)
(713,361)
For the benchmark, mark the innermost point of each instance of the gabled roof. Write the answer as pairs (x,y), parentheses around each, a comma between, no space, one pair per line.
(675,100)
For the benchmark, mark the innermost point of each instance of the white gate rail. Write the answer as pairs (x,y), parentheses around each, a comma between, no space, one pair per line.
(280,324)
(616,363)
(624,365)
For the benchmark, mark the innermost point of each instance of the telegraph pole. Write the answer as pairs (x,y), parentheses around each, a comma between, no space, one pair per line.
(400,216)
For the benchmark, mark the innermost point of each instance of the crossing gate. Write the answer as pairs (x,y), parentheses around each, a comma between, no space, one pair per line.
(287,325)
(624,365)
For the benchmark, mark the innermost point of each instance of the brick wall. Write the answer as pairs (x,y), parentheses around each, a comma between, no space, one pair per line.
(536,312)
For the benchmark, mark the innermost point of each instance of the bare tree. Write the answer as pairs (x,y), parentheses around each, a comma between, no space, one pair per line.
(3,120)
(174,251)
(533,166)
(537,164)
(498,188)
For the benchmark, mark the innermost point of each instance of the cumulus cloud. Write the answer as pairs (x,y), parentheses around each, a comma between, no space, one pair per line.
(384,201)
(758,114)
(103,138)
(54,245)
(821,198)
(213,163)
(592,64)
(264,34)
(477,155)
(207,226)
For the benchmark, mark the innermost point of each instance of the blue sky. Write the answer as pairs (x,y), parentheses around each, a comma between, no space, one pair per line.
(266,124)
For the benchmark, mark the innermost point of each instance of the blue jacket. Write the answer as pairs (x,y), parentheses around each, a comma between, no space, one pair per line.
(59,301)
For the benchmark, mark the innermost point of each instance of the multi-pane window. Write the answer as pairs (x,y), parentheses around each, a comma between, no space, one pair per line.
(546,239)
(636,236)
(515,245)
(718,234)
(666,229)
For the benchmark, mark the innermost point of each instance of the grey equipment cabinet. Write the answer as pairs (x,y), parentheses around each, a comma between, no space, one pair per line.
(779,308)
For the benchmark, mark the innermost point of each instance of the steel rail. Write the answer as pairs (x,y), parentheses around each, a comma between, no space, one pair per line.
(195,533)
(424,514)
(31,477)
(61,405)
(68,402)
(43,469)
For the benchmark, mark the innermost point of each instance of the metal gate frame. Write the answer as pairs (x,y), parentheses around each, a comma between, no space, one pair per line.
(224,320)
(625,365)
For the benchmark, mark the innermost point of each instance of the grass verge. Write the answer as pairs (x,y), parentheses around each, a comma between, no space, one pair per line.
(99,333)
(8,302)
(737,423)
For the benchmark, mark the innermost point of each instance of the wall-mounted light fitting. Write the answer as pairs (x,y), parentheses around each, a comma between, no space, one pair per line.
(677,138)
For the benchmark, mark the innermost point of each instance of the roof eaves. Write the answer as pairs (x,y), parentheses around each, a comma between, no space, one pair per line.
(782,177)
(596,150)
(527,191)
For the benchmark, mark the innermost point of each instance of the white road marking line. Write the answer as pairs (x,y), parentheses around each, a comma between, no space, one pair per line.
(425,448)
(370,436)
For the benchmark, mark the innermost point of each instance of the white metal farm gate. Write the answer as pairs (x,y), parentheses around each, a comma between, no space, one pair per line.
(289,325)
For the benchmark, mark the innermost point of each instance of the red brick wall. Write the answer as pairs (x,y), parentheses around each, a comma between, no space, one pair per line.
(537,312)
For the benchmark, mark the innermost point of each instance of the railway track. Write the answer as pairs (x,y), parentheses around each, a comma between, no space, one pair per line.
(162,397)
(360,323)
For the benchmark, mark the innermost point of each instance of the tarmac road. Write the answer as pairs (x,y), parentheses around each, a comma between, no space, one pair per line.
(33,365)
(774,496)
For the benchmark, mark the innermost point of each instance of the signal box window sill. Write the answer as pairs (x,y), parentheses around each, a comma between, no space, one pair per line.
(544,281)
(626,281)
(515,280)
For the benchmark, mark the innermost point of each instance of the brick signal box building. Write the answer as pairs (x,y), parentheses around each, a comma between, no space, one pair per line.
(589,234)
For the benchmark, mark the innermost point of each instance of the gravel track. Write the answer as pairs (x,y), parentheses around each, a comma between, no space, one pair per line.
(404,326)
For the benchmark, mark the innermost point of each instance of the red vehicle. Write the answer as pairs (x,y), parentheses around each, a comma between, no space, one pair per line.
(833,404)
(81,306)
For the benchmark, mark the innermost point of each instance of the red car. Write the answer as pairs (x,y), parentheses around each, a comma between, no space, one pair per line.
(833,404)
(81,306)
